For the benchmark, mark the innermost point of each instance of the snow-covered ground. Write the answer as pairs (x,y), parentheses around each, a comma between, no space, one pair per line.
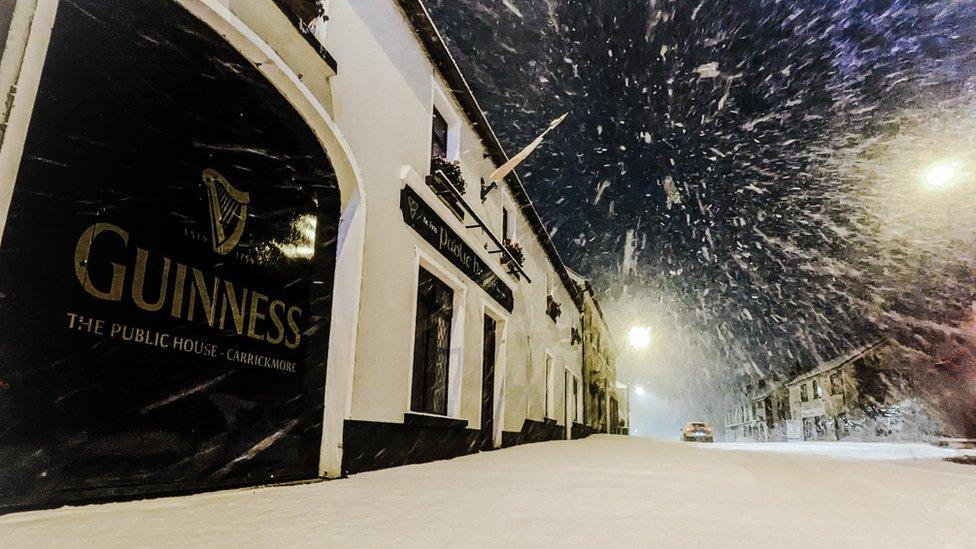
(600,492)
(847,450)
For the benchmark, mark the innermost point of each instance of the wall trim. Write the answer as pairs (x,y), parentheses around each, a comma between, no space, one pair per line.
(24,85)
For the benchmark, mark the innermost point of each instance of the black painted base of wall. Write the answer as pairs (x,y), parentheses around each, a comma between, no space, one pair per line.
(534,431)
(371,445)
(582,431)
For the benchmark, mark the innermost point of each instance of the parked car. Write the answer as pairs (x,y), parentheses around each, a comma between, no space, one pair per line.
(697,431)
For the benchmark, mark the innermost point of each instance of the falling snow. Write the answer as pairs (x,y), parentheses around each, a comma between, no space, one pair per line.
(769,214)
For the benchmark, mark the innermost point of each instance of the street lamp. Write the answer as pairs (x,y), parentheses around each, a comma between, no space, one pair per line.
(639,391)
(940,174)
(639,337)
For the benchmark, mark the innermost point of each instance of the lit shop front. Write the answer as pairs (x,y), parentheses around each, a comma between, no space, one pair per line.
(166,268)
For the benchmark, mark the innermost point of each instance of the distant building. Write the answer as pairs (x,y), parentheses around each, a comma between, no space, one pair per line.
(750,420)
(605,404)
(859,394)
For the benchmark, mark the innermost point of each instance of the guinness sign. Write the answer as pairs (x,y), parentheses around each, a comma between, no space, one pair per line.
(166,269)
(228,211)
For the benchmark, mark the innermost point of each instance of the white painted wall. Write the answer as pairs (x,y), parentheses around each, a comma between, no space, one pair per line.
(382,97)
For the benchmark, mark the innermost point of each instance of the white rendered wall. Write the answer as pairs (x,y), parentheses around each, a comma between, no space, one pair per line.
(382,100)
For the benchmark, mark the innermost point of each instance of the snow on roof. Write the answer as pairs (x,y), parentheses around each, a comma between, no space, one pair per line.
(835,363)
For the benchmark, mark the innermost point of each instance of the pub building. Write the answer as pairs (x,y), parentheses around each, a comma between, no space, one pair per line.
(247,242)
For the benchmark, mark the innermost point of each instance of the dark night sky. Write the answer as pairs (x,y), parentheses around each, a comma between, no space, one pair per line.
(763,156)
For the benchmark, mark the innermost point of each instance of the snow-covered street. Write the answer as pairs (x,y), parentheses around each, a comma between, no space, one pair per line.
(602,491)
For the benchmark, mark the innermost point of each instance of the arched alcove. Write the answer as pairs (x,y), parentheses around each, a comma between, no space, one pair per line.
(168,261)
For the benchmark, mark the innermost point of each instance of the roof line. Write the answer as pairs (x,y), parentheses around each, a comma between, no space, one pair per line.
(416,12)
(852,356)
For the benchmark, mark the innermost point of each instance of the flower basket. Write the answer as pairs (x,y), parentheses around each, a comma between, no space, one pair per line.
(451,170)
(514,250)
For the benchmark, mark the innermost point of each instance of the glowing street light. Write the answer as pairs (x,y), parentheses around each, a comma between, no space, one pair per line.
(639,337)
(939,175)
(639,391)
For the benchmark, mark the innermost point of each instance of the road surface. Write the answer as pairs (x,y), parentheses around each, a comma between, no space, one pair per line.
(603,491)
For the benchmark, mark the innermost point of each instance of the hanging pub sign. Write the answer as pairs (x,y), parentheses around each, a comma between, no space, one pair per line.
(422,218)
(165,271)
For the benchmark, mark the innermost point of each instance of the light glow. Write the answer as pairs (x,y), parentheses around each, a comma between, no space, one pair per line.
(639,337)
(940,175)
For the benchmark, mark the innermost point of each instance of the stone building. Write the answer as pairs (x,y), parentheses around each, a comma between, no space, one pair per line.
(861,394)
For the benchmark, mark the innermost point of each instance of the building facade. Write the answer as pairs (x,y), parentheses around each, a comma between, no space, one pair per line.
(605,402)
(253,241)
(742,423)
(859,394)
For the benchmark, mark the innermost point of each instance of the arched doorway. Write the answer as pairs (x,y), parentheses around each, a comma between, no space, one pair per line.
(166,269)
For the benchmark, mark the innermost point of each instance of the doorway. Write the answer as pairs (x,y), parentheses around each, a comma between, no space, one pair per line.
(488,356)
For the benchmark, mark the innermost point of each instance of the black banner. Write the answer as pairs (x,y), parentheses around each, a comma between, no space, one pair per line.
(426,222)
(166,270)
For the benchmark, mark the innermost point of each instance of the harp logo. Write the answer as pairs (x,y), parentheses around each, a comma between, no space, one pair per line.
(228,211)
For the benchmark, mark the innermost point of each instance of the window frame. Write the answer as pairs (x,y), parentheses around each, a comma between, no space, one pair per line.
(836,384)
(439,100)
(455,364)
(436,117)
(427,396)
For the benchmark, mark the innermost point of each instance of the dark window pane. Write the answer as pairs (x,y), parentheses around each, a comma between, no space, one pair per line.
(438,146)
(432,347)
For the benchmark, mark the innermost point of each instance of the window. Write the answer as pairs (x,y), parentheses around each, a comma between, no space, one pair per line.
(438,142)
(508,226)
(820,424)
(614,416)
(432,345)
(817,389)
(577,400)
(804,396)
(807,428)
(550,390)
(836,384)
